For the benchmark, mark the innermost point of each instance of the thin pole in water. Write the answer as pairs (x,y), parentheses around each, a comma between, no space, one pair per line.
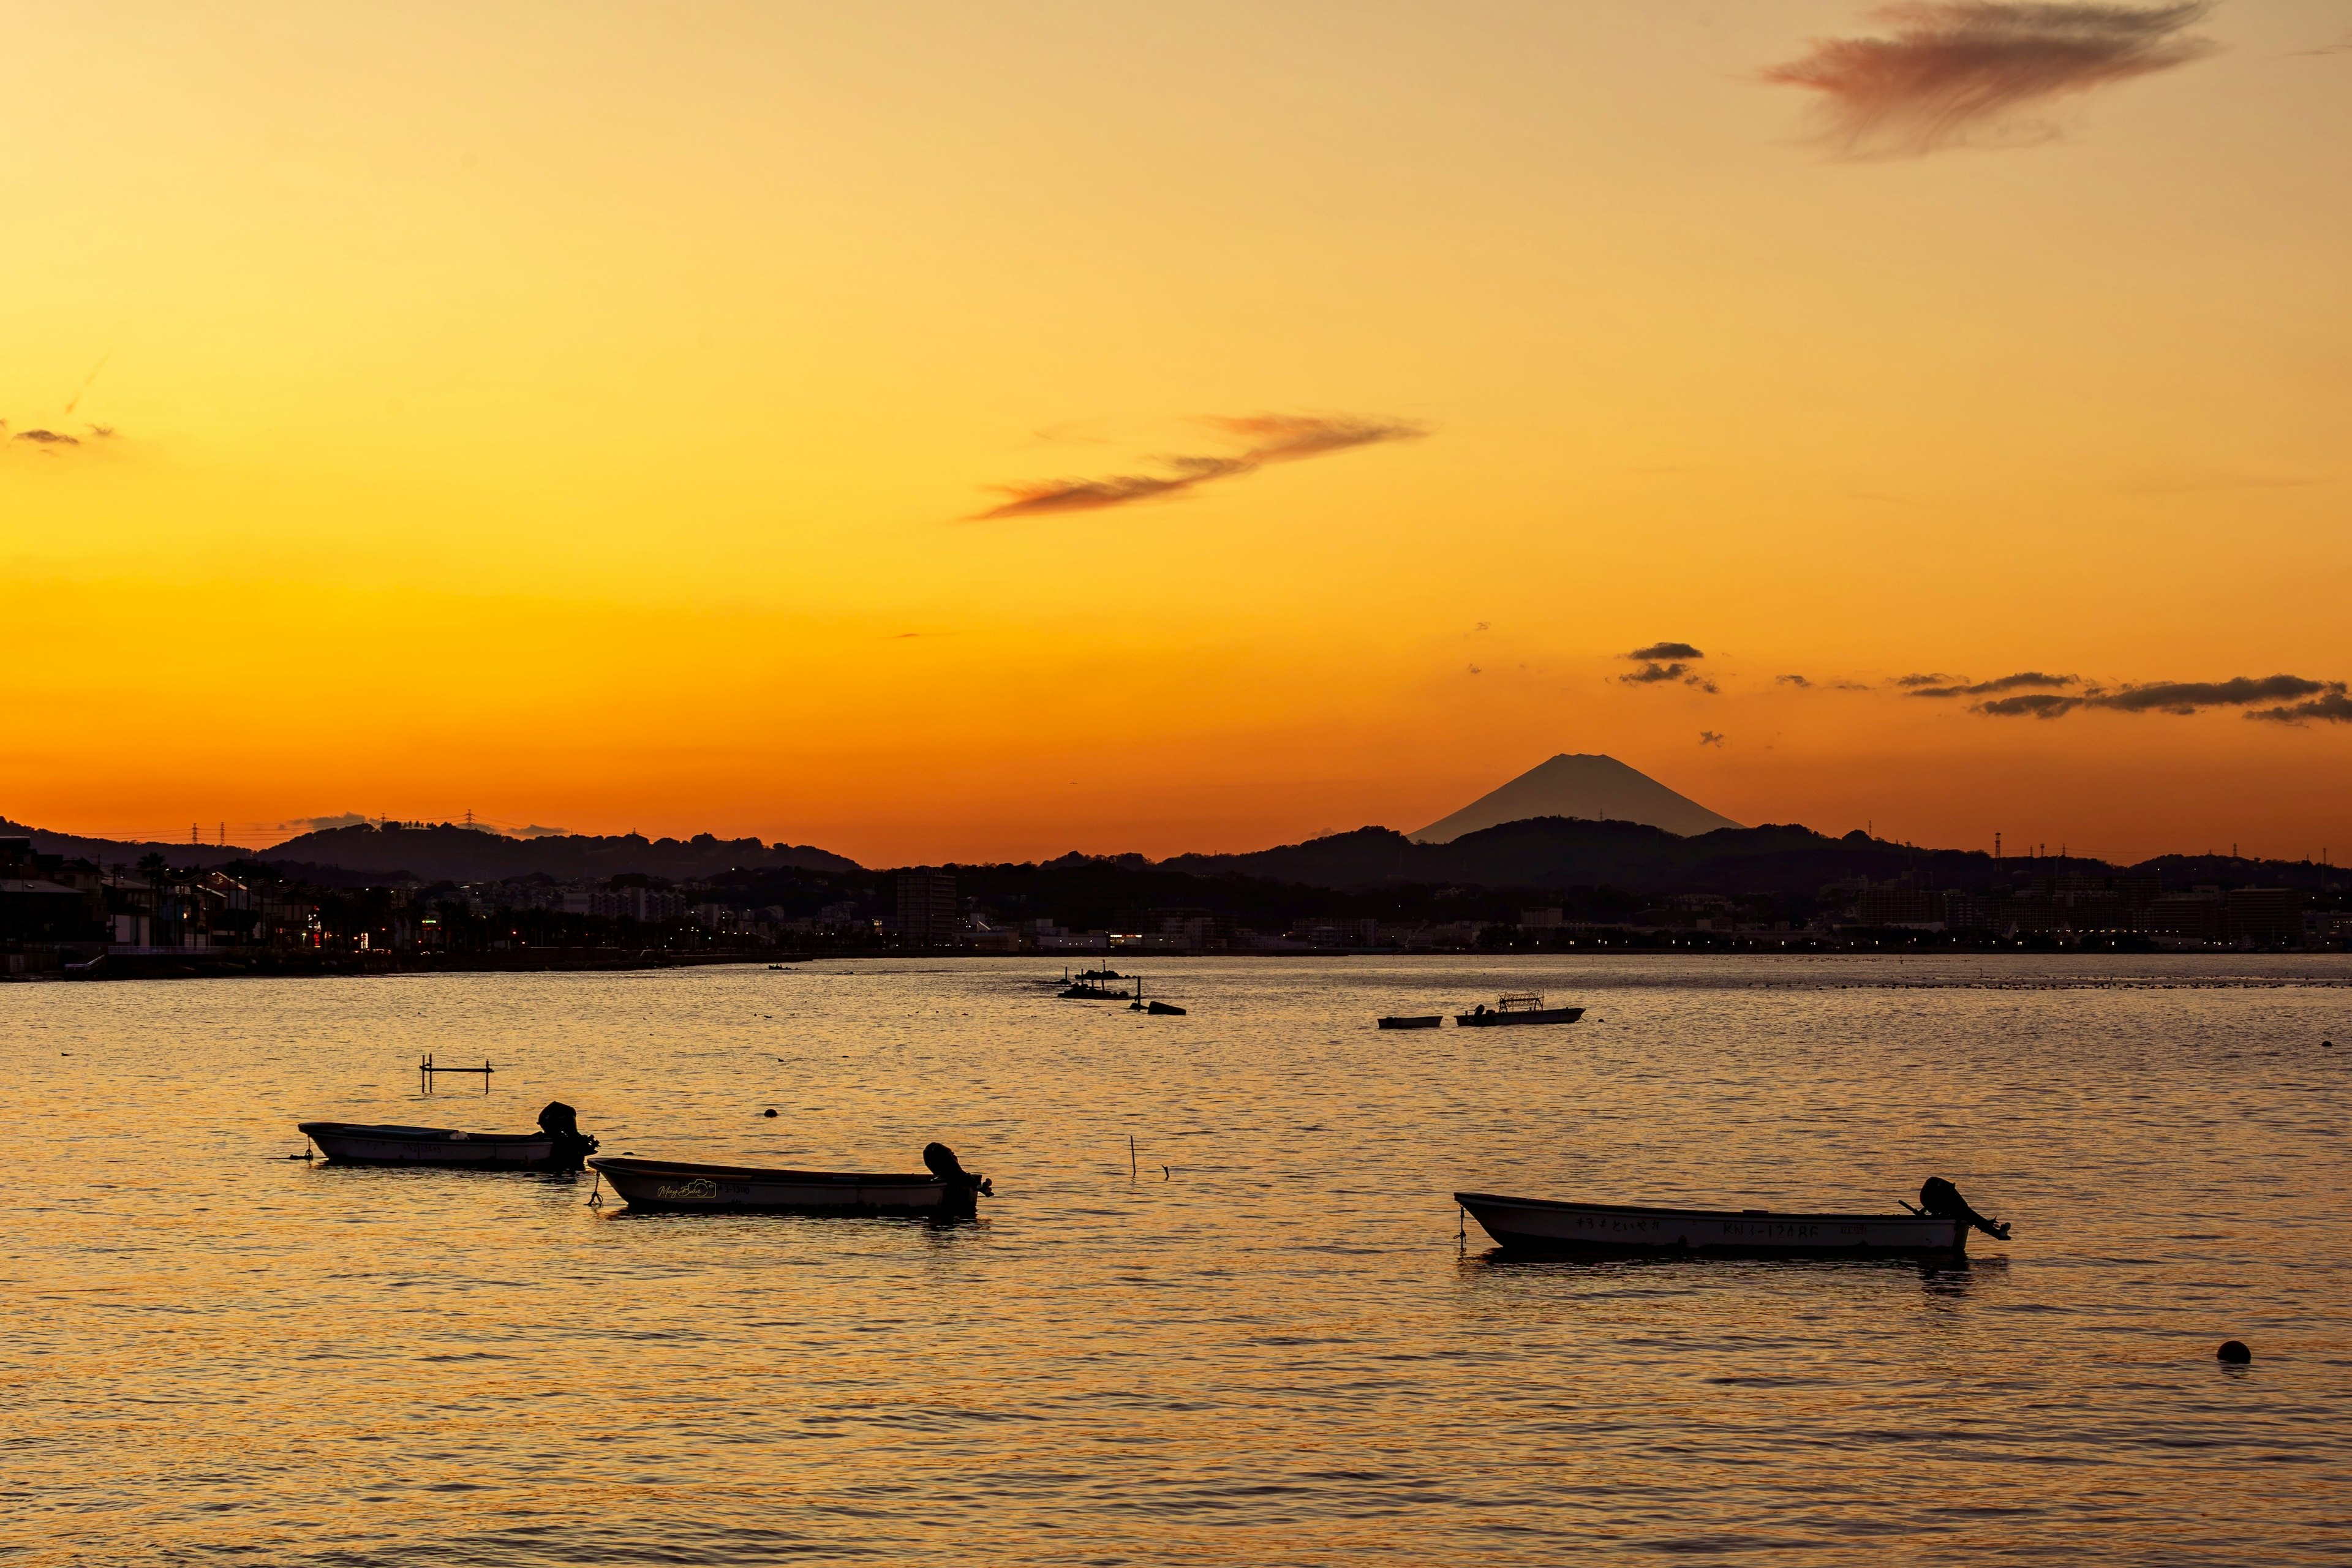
(1130,1157)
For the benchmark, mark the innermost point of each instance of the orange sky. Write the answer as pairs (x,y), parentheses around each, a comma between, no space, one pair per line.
(584,416)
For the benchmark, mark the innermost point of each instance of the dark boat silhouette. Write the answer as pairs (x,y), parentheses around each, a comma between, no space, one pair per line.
(1517,1007)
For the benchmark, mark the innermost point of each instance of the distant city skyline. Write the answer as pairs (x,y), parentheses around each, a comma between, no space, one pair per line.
(960,435)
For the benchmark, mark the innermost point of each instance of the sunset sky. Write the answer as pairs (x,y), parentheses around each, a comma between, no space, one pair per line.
(957,432)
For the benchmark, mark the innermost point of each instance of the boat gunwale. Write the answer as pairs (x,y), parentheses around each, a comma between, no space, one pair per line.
(392,1132)
(1783,1217)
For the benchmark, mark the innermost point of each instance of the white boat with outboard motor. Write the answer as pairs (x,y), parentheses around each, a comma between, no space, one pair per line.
(558,1145)
(944,1190)
(1939,1227)
(1517,1007)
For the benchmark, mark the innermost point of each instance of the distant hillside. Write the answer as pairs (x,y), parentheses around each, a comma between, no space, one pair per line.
(124,851)
(446,853)
(1566,852)
(1597,788)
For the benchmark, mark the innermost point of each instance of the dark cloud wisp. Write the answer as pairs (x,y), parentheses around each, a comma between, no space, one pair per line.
(1951,72)
(1663,662)
(2024,681)
(2300,700)
(1272,438)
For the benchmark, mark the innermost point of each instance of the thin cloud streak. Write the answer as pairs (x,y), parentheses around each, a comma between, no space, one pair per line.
(2324,699)
(2026,680)
(1272,437)
(1954,72)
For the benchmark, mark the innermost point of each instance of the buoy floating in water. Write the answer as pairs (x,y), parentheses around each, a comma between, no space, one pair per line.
(770,1112)
(2234,1352)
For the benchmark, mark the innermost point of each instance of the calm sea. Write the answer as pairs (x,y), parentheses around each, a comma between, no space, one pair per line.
(1268,1345)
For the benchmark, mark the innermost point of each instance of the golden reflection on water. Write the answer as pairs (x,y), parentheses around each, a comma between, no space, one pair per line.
(1278,1350)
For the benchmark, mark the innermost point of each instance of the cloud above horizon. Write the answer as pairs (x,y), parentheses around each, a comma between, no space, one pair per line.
(1956,73)
(55,443)
(1666,662)
(2026,680)
(1268,437)
(2325,700)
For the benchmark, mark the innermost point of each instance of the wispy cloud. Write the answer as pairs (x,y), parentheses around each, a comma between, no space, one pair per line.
(1270,437)
(2044,706)
(1955,72)
(1664,662)
(326,824)
(2335,708)
(2322,699)
(2024,680)
(1798,681)
(1938,679)
(49,438)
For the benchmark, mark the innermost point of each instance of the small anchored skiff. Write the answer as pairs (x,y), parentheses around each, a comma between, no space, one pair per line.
(558,1145)
(364,1143)
(1517,1007)
(723,1189)
(1545,1225)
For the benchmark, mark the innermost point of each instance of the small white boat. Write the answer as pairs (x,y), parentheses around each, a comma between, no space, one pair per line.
(1545,1226)
(1517,1007)
(945,1190)
(366,1143)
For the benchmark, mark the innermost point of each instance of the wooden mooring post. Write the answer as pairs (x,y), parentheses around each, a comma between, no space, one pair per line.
(426,1069)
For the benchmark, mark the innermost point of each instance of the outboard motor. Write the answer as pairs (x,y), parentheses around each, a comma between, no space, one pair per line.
(561,1122)
(964,1189)
(1940,1198)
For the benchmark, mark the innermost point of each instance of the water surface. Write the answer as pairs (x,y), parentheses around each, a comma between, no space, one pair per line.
(1268,1343)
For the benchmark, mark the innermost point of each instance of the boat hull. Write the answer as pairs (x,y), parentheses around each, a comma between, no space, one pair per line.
(362,1143)
(1602,1230)
(1418,1021)
(677,1185)
(1495,1019)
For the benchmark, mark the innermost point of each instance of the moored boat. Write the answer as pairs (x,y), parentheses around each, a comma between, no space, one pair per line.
(1517,1007)
(558,1145)
(376,1143)
(1940,1229)
(1414,1021)
(944,1190)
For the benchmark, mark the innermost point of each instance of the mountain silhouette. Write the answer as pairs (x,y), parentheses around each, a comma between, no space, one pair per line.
(1593,788)
(446,852)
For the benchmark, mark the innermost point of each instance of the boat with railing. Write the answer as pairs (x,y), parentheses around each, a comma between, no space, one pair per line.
(1517,1007)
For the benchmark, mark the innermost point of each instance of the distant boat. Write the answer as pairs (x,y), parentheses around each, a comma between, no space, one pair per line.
(1414,1021)
(1163,1009)
(1517,1008)
(1085,991)
(1573,1229)
(945,1191)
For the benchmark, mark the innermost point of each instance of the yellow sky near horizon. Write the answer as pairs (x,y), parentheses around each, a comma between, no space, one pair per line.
(580,415)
